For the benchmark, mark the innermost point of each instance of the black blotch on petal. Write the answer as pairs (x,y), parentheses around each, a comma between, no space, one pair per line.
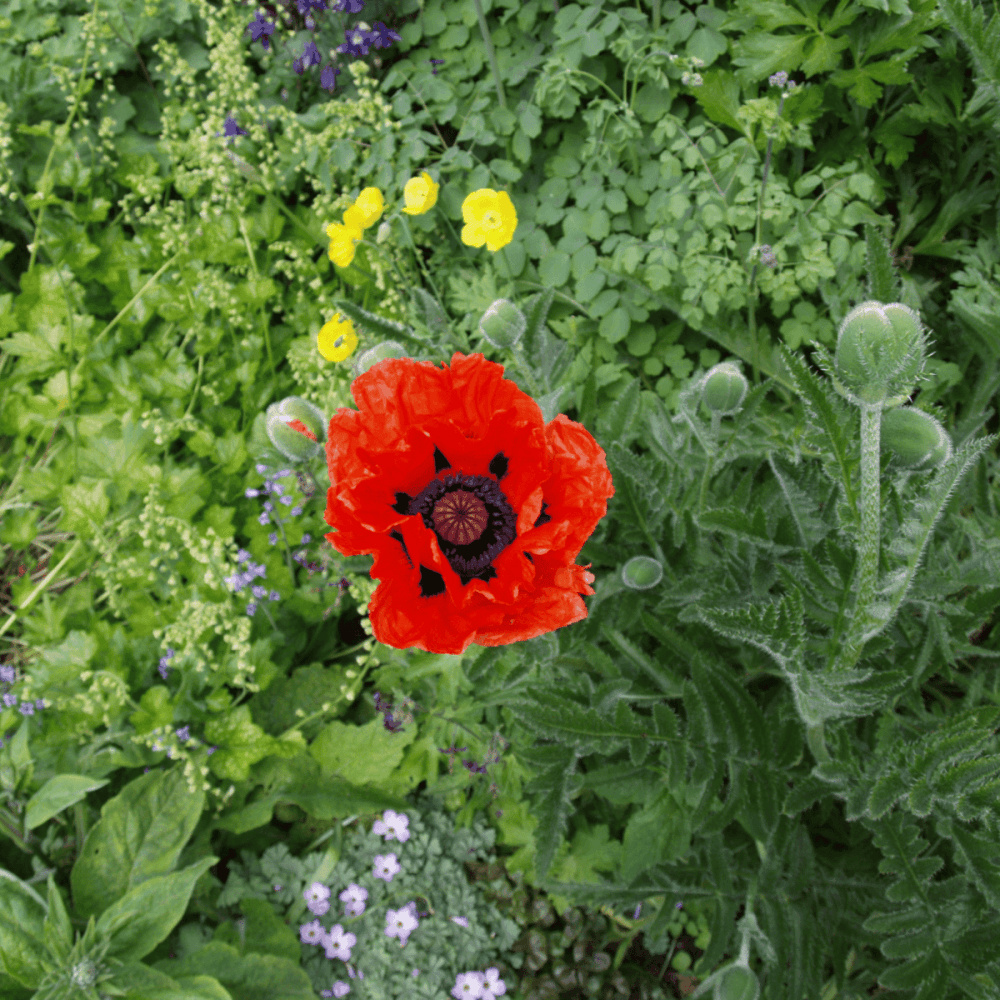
(431,582)
(440,462)
(498,465)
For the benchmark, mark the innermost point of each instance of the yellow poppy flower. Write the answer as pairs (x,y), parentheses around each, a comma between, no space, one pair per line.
(337,339)
(343,240)
(420,194)
(370,205)
(489,218)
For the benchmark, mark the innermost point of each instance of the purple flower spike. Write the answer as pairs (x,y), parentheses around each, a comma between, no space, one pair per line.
(349,6)
(311,56)
(384,36)
(356,42)
(328,78)
(260,28)
(231,129)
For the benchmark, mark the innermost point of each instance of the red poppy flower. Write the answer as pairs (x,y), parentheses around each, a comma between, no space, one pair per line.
(474,508)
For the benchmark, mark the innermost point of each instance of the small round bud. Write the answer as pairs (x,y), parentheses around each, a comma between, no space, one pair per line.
(641,573)
(503,324)
(736,983)
(295,428)
(915,438)
(371,357)
(724,389)
(881,352)
(84,974)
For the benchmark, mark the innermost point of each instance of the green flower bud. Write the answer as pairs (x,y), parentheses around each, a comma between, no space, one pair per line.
(84,974)
(503,324)
(915,438)
(387,349)
(881,352)
(291,442)
(724,389)
(384,232)
(641,573)
(736,983)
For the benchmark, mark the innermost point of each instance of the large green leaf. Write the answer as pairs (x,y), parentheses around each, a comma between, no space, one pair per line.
(58,793)
(246,977)
(22,933)
(140,834)
(144,917)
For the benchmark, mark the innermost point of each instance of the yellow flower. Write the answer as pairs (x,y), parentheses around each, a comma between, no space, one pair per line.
(490,218)
(342,242)
(420,194)
(337,339)
(367,208)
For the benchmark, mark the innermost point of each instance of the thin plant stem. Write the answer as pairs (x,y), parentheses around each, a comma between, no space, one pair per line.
(256,274)
(491,54)
(60,135)
(753,273)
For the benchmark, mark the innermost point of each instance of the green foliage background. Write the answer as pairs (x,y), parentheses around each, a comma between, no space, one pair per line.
(161,286)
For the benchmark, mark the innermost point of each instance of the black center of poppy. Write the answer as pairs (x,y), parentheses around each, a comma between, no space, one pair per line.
(460,517)
(471,516)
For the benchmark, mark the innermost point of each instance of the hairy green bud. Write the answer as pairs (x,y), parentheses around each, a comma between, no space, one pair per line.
(738,982)
(724,389)
(292,443)
(503,324)
(371,357)
(881,352)
(641,573)
(84,974)
(915,438)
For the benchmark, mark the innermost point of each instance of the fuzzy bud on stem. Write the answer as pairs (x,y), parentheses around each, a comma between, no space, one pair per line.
(881,352)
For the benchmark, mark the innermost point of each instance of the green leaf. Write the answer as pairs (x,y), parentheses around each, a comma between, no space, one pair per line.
(16,766)
(363,755)
(140,834)
(246,977)
(659,832)
(553,268)
(241,744)
(145,915)
(57,929)
(266,933)
(58,793)
(22,931)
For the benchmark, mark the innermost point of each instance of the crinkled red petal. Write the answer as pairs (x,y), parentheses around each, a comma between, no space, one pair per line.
(468,412)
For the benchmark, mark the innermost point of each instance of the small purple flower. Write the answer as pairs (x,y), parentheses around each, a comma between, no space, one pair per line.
(338,943)
(164,666)
(311,933)
(184,734)
(349,6)
(354,897)
(393,826)
(468,986)
(386,866)
(493,985)
(436,62)
(339,989)
(316,893)
(260,28)
(401,923)
(311,56)
(461,921)
(10,699)
(26,708)
(8,674)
